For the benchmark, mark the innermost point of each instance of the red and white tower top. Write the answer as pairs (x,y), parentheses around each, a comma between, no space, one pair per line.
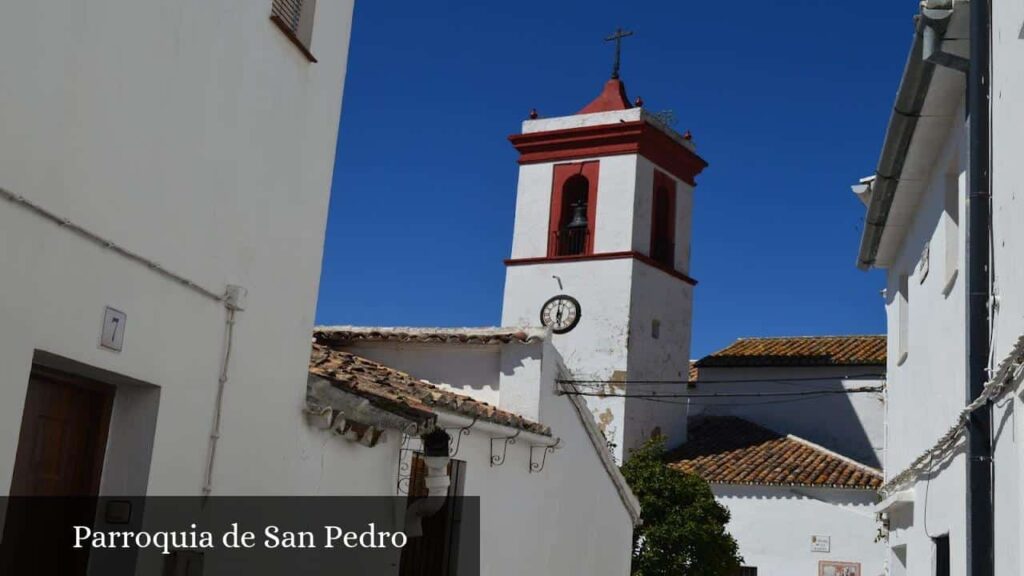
(609,128)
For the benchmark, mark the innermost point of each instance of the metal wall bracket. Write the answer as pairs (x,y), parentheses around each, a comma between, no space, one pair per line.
(455,439)
(498,460)
(406,454)
(536,466)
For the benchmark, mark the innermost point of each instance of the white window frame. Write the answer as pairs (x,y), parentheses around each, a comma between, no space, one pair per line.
(951,224)
(902,319)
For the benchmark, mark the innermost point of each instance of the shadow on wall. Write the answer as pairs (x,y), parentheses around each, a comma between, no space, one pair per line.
(837,421)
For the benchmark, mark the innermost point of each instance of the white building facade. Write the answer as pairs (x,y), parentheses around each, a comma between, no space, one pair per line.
(552,501)
(165,167)
(601,253)
(800,530)
(826,389)
(789,433)
(917,206)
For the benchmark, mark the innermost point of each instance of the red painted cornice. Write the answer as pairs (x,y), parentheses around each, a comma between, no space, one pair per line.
(603,256)
(637,137)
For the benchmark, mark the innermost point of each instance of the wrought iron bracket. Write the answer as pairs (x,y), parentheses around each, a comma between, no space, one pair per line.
(405,459)
(455,439)
(537,466)
(496,459)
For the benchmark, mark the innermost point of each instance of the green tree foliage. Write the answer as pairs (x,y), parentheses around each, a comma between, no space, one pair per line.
(683,531)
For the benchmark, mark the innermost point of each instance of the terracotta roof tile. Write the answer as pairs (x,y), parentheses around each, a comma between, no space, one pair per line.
(398,392)
(800,351)
(347,334)
(730,450)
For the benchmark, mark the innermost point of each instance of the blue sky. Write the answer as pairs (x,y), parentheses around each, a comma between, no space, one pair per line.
(787,100)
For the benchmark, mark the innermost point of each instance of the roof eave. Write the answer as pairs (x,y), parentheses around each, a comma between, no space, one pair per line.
(786,485)
(914,86)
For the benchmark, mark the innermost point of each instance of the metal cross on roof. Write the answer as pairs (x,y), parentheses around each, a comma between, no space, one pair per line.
(617,38)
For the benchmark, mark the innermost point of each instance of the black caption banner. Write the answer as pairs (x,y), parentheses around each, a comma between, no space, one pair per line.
(256,536)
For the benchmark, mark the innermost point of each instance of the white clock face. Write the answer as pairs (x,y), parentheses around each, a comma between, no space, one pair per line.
(561,314)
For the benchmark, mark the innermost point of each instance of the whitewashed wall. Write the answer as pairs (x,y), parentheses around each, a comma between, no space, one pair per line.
(850,424)
(934,373)
(1008,208)
(566,519)
(774,526)
(581,120)
(926,390)
(613,221)
(669,301)
(644,206)
(473,370)
(195,134)
(597,349)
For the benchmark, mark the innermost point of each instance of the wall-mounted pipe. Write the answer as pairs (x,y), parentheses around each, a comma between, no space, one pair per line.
(936,24)
(980,504)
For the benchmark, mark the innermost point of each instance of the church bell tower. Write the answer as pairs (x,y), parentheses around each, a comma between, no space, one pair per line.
(601,255)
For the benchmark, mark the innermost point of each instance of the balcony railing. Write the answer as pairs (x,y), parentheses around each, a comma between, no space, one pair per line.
(570,241)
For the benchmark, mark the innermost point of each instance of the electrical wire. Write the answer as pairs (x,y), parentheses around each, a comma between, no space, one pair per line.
(108,244)
(1007,373)
(866,376)
(222,380)
(732,404)
(860,390)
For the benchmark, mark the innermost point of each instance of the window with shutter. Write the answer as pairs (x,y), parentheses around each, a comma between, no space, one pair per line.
(295,19)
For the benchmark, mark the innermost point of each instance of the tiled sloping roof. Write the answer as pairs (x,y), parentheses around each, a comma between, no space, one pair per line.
(399,392)
(730,450)
(800,351)
(344,334)
(694,372)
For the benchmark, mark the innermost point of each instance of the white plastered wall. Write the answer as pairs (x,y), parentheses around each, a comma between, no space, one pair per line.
(926,390)
(580,524)
(1008,209)
(774,525)
(194,134)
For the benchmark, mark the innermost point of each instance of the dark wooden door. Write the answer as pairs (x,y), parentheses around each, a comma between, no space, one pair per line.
(63,438)
(56,473)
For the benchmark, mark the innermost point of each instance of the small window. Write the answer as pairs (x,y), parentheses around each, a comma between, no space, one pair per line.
(903,315)
(655,329)
(746,571)
(295,19)
(941,555)
(951,217)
